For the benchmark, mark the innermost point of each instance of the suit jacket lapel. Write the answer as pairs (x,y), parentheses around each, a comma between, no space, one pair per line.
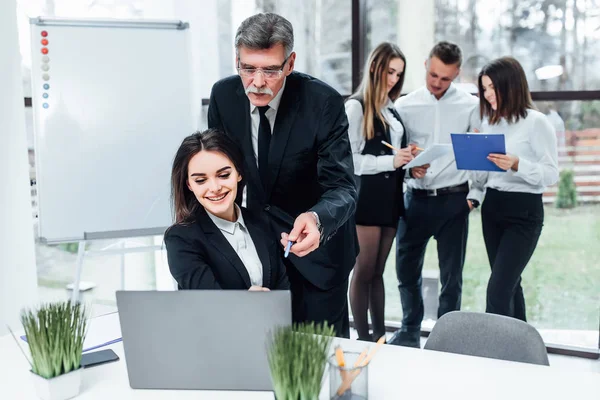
(258,237)
(286,114)
(216,238)
(251,172)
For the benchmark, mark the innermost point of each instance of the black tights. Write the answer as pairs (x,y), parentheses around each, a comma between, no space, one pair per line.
(366,289)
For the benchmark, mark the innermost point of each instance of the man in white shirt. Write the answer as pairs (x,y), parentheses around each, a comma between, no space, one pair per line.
(438,200)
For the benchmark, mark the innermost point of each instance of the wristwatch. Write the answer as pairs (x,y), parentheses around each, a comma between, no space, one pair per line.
(319,226)
(474,202)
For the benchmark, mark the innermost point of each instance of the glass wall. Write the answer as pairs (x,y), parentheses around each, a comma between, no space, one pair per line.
(556,41)
(557,44)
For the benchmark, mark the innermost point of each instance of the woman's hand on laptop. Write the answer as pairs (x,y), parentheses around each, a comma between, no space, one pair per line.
(258,289)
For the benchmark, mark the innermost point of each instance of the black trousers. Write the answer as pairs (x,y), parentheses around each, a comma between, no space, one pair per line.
(446,218)
(309,303)
(512,223)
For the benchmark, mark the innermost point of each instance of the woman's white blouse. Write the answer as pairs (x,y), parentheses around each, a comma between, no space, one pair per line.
(368,164)
(533,140)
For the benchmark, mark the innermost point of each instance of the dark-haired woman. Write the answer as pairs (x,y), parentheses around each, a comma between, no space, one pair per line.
(214,244)
(372,119)
(512,212)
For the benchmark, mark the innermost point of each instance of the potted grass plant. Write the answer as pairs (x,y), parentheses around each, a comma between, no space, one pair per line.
(55,333)
(297,359)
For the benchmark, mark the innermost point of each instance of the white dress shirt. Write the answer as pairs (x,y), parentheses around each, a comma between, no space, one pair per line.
(271,114)
(367,164)
(239,238)
(533,140)
(430,121)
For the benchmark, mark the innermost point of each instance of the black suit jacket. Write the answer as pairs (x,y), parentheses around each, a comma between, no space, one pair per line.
(310,168)
(200,257)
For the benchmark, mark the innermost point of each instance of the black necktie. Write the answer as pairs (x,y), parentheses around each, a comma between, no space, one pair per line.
(264,139)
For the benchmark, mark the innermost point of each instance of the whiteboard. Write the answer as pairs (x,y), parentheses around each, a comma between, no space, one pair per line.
(111,104)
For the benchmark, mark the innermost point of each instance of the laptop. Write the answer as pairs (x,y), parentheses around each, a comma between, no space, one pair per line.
(200,339)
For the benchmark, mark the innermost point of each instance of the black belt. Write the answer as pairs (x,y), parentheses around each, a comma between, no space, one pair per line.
(462,188)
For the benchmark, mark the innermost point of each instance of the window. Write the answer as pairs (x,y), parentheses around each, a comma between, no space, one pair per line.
(555,41)
(557,44)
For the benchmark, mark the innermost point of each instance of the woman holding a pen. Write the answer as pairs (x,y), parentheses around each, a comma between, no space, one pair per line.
(512,212)
(214,244)
(379,151)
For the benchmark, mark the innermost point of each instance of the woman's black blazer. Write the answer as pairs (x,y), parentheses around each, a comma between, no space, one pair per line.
(200,257)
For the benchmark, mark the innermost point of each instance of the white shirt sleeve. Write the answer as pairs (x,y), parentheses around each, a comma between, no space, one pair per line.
(478,181)
(544,170)
(364,164)
(475,120)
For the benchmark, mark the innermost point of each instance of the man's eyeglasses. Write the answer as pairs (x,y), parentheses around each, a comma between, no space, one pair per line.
(267,73)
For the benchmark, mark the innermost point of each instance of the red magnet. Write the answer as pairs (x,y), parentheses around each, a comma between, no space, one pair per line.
(44,33)
(45,42)
(44,50)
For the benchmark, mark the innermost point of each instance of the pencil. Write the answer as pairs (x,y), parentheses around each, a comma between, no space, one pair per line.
(339,356)
(393,148)
(361,362)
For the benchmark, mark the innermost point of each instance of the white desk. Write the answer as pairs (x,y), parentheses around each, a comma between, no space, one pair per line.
(395,373)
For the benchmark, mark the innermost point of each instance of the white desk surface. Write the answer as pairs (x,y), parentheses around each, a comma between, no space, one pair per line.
(395,372)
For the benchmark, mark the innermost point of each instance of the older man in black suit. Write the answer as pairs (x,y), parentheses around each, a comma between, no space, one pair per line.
(299,172)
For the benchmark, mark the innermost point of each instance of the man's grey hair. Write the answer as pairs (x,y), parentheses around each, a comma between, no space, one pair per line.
(263,31)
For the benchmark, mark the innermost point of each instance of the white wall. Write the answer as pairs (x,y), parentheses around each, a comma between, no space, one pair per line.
(205,29)
(18,281)
(416,35)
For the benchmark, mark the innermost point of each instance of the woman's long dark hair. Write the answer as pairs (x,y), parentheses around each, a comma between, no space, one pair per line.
(183,201)
(511,88)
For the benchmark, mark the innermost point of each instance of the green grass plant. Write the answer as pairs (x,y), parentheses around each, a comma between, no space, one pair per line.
(297,359)
(55,333)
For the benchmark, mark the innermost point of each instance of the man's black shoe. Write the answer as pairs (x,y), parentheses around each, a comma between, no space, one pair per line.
(407,339)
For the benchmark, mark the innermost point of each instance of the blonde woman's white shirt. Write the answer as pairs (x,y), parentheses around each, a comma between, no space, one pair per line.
(533,140)
(367,164)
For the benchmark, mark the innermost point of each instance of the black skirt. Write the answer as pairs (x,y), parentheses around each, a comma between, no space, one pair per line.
(380,199)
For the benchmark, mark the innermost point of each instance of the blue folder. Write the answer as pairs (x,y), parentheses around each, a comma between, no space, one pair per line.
(471,150)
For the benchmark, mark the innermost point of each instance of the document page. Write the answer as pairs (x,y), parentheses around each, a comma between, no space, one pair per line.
(429,154)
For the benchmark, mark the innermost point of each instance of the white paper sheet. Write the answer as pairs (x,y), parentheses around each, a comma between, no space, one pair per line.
(102,331)
(429,154)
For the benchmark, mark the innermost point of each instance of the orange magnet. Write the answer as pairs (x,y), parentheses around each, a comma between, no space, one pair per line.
(45,42)
(44,50)
(44,33)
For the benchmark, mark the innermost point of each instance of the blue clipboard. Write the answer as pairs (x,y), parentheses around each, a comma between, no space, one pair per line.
(471,150)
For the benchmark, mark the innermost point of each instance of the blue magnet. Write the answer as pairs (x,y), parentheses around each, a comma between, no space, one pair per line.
(45,95)
(45,105)
(46,86)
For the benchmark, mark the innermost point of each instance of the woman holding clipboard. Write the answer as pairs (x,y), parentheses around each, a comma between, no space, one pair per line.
(512,212)
(373,120)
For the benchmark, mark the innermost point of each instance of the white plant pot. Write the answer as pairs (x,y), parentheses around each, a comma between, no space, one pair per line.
(62,387)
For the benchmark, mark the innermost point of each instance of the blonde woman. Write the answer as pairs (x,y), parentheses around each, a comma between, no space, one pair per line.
(373,119)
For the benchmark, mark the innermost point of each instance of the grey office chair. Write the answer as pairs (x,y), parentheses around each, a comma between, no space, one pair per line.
(488,335)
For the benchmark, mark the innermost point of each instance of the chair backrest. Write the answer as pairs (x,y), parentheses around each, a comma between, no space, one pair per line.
(488,335)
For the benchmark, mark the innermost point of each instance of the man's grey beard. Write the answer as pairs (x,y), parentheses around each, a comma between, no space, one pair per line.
(262,90)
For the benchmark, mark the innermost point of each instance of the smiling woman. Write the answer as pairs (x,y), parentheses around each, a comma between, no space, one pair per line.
(215,244)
